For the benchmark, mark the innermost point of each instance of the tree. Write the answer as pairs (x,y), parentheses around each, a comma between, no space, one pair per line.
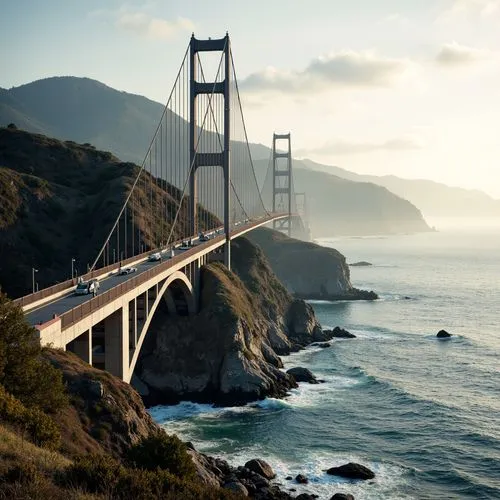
(12,126)
(23,371)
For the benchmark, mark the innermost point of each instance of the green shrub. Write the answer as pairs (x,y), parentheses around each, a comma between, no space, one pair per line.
(41,429)
(102,475)
(162,451)
(23,372)
(96,473)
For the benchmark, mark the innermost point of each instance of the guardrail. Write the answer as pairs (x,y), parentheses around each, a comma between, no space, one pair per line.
(76,314)
(68,284)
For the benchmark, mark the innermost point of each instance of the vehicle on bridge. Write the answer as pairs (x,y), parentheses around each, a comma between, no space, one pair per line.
(186,245)
(126,270)
(203,237)
(86,287)
(154,257)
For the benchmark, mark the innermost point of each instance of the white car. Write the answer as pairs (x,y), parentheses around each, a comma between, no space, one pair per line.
(203,237)
(154,257)
(86,287)
(126,270)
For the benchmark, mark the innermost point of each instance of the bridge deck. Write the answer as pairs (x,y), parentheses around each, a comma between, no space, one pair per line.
(70,301)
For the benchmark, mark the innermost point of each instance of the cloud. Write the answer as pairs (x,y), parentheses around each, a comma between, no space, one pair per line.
(454,54)
(344,68)
(470,8)
(143,24)
(342,147)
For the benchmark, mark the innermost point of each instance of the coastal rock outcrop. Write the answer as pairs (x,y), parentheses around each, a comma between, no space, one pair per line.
(302,375)
(339,333)
(342,496)
(352,471)
(308,270)
(443,334)
(361,263)
(228,353)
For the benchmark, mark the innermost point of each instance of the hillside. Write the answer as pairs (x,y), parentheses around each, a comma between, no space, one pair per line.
(339,206)
(124,124)
(58,201)
(432,198)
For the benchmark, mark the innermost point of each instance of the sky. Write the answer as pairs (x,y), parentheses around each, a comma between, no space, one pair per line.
(403,87)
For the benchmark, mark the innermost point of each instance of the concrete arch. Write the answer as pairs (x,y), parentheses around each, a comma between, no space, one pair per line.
(182,283)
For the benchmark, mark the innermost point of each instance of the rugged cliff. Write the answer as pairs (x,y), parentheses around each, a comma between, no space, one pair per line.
(308,270)
(229,352)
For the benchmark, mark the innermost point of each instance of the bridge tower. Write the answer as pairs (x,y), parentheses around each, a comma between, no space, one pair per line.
(203,159)
(282,184)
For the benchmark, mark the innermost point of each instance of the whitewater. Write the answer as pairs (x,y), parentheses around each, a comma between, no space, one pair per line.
(423,414)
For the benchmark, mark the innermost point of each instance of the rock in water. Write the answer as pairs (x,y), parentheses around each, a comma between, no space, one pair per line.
(339,333)
(302,375)
(361,263)
(443,334)
(261,467)
(342,496)
(352,471)
(301,479)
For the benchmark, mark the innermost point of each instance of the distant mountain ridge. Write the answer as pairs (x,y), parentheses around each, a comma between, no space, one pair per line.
(88,111)
(433,198)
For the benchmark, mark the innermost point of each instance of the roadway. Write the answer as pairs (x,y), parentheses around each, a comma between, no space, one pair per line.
(61,305)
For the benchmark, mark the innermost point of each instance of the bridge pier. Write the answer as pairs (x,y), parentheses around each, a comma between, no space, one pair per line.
(116,344)
(82,346)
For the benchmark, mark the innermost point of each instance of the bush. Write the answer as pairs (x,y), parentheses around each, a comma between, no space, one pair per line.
(162,451)
(41,429)
(96,473)
(23,372)
(102,475)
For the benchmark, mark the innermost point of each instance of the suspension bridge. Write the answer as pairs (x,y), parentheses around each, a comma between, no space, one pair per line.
(195,192)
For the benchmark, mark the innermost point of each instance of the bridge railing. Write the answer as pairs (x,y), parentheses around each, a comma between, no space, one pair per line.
(79,312)
(68,284)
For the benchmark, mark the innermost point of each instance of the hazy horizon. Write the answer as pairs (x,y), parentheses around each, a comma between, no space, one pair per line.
(388,89)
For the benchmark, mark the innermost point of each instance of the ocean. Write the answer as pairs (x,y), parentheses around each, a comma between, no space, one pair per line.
(422,413)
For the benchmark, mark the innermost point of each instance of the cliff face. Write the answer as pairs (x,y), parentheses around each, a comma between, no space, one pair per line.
(227,353)
(308,270)
(106,415)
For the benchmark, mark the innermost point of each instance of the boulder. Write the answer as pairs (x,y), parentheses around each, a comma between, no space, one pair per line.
(340,333)
(352,471)
(443,334)
(302,375)
(261,467)
(342,496)
(306,496)
(301,479)
(237,487)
